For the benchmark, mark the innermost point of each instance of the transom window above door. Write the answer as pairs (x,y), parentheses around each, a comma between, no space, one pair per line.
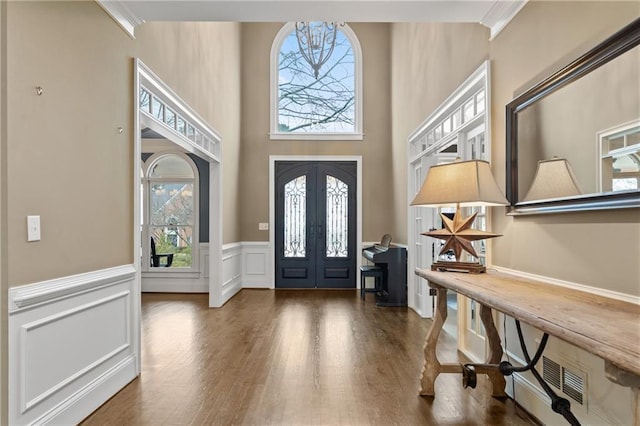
(324,103)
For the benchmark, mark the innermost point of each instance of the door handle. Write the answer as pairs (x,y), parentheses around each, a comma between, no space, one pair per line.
(319,231)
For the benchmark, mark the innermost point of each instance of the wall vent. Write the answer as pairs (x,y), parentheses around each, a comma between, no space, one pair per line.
(569,382)
(551,372)
(573,385)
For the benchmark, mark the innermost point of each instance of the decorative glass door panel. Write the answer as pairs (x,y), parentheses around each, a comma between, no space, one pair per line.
(295,213)
(337,218)
(315,224)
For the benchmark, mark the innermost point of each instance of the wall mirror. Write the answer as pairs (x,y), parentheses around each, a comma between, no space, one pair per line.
(587,113)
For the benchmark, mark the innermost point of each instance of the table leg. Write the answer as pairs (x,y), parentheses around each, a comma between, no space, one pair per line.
(432,366)
(495,352)
(627,379)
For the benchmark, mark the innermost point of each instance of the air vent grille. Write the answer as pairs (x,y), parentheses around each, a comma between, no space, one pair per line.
(570,383)
(573,385)
(551,372)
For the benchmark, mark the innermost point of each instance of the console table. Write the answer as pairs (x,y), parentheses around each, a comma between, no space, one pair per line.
(583,319)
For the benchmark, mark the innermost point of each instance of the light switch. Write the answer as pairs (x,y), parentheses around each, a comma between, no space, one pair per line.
(263,226)
(33,228)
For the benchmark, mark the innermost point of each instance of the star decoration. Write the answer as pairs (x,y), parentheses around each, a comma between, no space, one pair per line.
(458,234)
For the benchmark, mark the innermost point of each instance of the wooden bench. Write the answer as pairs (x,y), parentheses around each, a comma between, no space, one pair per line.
(577,317)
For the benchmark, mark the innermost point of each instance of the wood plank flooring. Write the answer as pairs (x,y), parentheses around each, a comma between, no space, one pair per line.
(292,357)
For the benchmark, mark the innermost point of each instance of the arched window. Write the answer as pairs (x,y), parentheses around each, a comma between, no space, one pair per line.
(171,213)
(306,107)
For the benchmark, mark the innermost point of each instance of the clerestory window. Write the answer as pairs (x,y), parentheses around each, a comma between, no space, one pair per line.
(306,107)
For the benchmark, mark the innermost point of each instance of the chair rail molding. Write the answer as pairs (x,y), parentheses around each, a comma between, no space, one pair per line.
(46,291)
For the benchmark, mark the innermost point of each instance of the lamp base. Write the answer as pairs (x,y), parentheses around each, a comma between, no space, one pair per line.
(472,267)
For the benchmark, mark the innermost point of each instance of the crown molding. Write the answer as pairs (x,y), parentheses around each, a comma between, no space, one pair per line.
(500,14)
(122,15)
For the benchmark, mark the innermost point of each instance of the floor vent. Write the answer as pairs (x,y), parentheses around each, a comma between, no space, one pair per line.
(569,382)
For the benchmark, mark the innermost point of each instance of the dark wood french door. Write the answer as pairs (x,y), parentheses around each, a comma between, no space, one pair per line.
(315,224)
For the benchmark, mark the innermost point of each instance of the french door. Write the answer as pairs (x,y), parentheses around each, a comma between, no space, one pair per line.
(315,226)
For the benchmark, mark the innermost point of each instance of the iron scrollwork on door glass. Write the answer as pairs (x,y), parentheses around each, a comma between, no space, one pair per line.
(337,218)
(295,216)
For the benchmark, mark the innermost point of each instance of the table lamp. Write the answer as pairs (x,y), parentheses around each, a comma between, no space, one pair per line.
(459,184)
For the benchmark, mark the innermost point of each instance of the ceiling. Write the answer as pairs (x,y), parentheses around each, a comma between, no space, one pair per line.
(494,14)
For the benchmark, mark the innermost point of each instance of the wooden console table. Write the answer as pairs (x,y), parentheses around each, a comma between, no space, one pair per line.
(603,326)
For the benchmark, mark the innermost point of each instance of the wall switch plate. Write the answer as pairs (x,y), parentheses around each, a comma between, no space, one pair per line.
(33,228)
(263,226)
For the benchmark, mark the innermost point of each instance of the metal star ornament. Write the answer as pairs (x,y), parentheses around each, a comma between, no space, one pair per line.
(458,234)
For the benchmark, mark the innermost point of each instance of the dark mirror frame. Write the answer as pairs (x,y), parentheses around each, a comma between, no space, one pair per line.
(619,43)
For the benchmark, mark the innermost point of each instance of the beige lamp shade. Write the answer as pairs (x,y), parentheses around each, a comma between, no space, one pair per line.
(554,179)
(463,183)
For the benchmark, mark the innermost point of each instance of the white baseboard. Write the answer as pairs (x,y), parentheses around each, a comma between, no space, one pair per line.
(92,396)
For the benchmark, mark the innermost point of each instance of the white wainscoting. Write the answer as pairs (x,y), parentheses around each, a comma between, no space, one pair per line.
(244,265)
(255,265)
(72,345)
(231,270)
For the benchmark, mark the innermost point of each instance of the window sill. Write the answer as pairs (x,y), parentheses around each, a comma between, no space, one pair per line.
(171,272)
(317,136)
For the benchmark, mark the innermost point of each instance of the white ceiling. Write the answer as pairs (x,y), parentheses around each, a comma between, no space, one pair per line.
(494,14)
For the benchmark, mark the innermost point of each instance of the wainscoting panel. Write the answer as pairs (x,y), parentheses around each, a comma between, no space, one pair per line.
(254,272)
(72,345)
(231,270)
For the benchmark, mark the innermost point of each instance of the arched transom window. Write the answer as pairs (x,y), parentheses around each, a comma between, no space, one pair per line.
(306,107)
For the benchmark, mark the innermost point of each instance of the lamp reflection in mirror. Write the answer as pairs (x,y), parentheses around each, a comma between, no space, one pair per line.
(553,179)
(459,184)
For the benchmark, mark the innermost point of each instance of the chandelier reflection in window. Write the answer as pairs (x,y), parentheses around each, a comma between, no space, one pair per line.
(316,41)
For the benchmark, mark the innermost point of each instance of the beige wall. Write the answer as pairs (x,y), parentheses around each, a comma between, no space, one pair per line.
(3,216)
(429,61)
(378,211)
(67,161)
(201,63)
(598,249)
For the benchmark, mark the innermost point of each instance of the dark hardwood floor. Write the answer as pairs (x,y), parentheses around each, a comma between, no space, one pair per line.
(292,357)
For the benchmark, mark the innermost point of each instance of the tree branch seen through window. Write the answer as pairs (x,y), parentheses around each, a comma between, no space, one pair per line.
(323,105)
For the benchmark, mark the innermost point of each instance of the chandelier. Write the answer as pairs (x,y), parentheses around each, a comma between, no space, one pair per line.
(316,41)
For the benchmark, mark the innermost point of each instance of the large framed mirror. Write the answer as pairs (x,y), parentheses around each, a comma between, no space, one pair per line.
(573,140)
